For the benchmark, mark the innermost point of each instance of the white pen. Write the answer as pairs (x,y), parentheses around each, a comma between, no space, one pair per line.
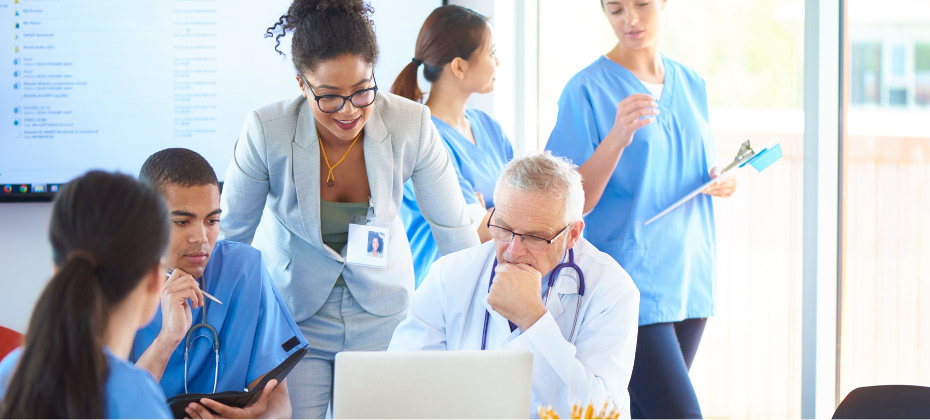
(209,296)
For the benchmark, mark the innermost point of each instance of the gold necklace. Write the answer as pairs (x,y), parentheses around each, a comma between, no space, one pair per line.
(331,177)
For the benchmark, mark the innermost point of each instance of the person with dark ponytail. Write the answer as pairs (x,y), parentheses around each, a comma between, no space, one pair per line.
(108,235)
(456,49)
(318,165)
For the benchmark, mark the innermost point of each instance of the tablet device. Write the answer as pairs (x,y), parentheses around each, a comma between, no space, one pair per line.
(237,398)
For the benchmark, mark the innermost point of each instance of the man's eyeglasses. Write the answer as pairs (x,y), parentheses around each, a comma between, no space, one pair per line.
(529,241)
(331,103)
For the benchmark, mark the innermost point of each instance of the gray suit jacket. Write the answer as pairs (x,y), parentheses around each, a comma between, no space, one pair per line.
(271,199)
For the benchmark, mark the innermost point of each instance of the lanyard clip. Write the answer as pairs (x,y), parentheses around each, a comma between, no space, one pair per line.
(371,211)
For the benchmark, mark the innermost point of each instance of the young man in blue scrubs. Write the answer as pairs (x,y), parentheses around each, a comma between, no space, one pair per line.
(254,330)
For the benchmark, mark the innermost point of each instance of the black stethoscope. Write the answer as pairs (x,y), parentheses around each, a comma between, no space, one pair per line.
(552,276)
(215,341)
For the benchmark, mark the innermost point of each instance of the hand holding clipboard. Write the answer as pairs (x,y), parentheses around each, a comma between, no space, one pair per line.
(758,160)
(238,399)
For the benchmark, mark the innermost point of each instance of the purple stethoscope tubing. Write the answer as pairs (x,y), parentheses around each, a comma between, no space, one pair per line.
(552,276)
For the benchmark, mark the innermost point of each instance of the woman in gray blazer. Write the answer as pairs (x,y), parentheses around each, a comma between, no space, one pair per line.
(304,168)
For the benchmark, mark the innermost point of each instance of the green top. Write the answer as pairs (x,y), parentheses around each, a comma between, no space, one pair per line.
(334,224)
(335,219)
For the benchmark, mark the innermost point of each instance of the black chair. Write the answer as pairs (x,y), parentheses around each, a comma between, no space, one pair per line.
(886,402)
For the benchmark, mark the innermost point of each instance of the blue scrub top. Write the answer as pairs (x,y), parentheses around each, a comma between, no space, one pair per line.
(256,332)
(477,165)
(671,260)
(129,392)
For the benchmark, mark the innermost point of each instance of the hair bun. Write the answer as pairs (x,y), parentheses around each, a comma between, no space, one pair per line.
(302,9)
(347,6)
(323,29)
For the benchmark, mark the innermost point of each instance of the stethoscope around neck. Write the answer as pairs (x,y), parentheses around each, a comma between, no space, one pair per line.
(215,342)
(570,263)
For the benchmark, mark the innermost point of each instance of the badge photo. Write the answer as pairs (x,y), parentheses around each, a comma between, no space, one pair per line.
(367,245)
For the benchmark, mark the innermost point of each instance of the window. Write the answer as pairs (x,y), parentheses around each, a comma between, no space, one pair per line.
(885,309)
(897,61)
(865,73)
(922,73)
(889,65)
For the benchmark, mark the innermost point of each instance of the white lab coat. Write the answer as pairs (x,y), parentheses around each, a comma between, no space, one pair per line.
(447,313)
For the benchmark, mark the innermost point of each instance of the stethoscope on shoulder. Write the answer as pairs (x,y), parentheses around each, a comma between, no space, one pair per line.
(215,341)
(570,263)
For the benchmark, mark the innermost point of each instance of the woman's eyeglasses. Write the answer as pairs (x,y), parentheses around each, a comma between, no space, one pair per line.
(331,103)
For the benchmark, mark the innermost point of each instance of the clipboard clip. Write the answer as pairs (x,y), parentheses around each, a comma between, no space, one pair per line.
(744,155)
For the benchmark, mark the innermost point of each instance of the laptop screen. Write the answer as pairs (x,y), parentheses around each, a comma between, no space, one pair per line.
(432,384)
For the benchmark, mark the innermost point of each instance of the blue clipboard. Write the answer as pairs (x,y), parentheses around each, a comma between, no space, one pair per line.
(758,160)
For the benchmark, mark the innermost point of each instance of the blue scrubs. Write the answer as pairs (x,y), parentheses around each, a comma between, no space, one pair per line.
(671,260)
(129,392)
(256,332)
(477,165)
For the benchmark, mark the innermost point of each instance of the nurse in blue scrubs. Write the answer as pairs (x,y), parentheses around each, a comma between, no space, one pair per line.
(637,123)
(456,48)
(108,235)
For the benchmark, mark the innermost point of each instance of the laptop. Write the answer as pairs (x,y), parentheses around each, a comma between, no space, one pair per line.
(432,384)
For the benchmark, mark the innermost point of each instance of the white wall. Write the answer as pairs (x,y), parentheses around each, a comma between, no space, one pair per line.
(25,260)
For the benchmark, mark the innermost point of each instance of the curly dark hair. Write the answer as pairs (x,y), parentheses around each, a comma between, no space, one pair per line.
(326,29)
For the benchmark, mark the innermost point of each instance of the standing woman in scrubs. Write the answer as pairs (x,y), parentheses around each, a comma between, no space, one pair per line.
(108,234)
(305,170)
(456,48)
(637,123)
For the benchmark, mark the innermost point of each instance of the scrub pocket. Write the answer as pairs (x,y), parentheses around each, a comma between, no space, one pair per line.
(632,257)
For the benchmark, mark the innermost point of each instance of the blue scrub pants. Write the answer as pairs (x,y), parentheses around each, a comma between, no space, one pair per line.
(660,387)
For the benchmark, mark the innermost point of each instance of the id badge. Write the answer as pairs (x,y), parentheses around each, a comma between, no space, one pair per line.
(368,239)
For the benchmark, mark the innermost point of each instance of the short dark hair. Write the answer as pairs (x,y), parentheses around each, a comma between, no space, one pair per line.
(177,166)
(326,29)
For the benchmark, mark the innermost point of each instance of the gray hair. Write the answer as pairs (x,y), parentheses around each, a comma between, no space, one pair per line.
(541,172)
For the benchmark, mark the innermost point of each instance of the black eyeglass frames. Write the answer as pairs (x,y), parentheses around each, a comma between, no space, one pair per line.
(331,103)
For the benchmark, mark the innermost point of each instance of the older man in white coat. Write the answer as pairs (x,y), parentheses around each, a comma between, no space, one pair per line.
(538,286)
